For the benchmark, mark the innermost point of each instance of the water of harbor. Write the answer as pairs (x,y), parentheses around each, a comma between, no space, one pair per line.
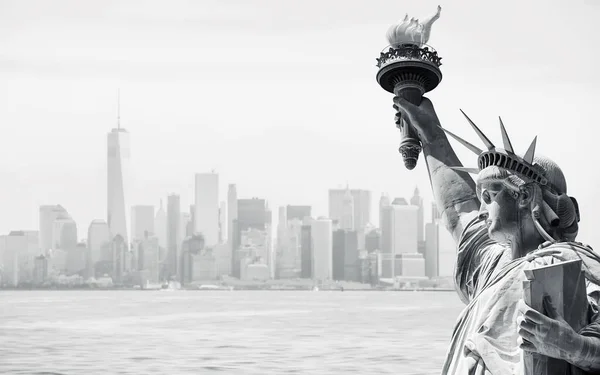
(221,332)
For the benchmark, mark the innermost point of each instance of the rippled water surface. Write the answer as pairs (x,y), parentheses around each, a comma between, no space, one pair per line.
(253,332)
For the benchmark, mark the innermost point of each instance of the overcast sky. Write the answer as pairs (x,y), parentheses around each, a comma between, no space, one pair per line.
(279,97)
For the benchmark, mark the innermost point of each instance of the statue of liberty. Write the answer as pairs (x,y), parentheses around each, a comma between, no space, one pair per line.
(515,217)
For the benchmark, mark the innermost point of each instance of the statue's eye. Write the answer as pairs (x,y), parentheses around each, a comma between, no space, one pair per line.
(485,196)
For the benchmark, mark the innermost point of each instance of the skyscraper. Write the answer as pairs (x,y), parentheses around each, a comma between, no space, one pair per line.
(384,202)
(432,250)
(347,219)
(142,222)
(77,258)
(416,200)
(404,229)
(282,242)
(118,182)
(173,234)
(206,218)
(222,222)
(40,269)
(18,250)
(407,261)
(252,213)
(64,232)
(362,206)
(97,239)
(48,214)
(120,257)
(441,249)
(149,259)
(297,212)
(160,226)
(185,220)
(289,247)
(385,218)
(322,240)
(189,229)
(306,253)
(447,251)
(232,215)
(373,240)
(362,210)
(337,254)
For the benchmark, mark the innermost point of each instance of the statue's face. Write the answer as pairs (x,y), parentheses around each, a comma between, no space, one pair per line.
(500,210)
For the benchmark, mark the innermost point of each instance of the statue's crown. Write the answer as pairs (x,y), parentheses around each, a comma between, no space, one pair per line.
(506,158)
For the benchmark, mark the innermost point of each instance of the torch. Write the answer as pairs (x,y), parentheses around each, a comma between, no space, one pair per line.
(409,68)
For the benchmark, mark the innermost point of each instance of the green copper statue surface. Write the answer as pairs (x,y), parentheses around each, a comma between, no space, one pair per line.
(513,220)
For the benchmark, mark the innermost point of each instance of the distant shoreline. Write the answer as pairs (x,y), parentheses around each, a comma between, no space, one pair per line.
(227,290)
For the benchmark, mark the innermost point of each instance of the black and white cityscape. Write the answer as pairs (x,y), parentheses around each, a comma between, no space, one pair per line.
(227,242)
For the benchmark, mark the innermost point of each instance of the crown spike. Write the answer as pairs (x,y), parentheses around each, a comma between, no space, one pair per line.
(468,145)
(507,144)
(465,169)
(530,151)
(482,136)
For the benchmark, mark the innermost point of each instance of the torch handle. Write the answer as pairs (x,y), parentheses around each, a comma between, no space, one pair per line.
(410,146)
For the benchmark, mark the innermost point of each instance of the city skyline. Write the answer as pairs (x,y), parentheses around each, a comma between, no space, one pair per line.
(344,247)
(82,228)
(116,176)
(185,119)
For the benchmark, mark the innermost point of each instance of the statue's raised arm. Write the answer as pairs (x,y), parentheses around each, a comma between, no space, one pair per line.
(453,190)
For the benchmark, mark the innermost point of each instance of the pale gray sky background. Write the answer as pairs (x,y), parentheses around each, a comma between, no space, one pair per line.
(279,97)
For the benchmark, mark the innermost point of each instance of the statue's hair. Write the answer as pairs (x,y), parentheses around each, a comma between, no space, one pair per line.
(560,213)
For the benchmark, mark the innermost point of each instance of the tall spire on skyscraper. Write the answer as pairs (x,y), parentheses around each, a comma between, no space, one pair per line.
(347,219)
(384,201)
(118,178)
(119,109)
(416,200)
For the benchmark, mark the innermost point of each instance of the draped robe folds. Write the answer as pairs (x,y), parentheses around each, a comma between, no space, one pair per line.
(490,283)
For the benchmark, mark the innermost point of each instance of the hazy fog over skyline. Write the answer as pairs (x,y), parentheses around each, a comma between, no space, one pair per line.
(279,97)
